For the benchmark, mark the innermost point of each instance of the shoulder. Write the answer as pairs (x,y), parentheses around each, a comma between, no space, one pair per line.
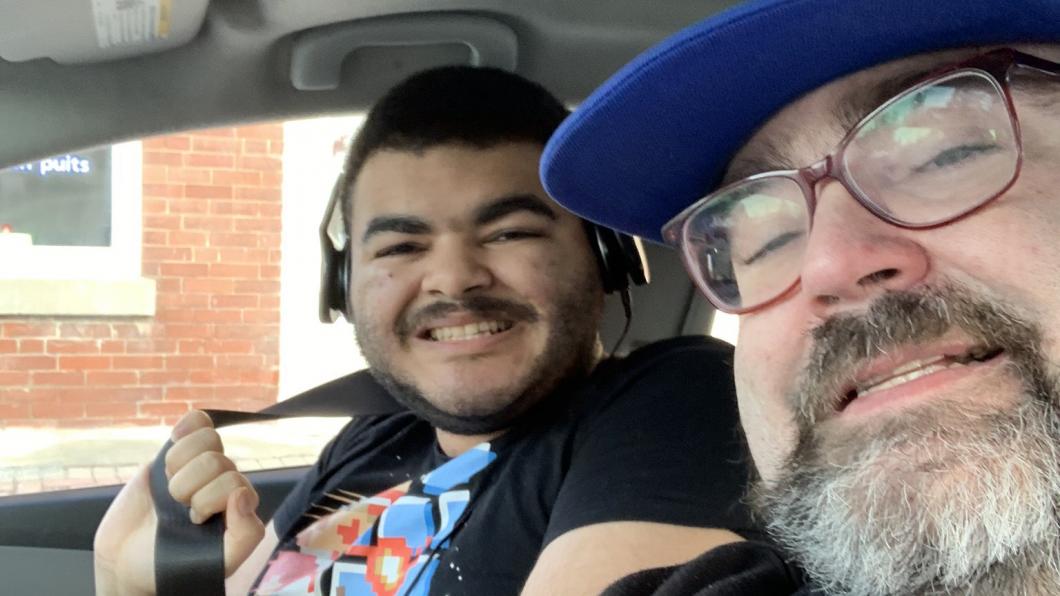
(369,433)
(680,366)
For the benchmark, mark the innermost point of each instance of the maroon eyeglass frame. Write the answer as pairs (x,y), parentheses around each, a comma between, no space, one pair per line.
(997,64)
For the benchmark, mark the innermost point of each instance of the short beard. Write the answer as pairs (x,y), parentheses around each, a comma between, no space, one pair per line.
(571,349)
(950,497)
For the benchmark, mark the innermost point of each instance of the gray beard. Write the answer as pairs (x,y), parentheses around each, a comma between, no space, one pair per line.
(949,498)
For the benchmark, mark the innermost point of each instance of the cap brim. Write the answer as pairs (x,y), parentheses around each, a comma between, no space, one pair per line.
(659,133)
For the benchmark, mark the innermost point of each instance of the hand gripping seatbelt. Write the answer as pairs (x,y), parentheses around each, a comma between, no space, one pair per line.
(189,558)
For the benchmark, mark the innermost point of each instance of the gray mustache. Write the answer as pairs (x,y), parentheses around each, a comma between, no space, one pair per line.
(845,342)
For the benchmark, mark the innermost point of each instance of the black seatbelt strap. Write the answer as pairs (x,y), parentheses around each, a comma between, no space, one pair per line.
(189,558)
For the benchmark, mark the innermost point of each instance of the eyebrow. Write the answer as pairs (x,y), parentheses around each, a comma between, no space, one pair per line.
(504,206)
(401,224)
(850,109)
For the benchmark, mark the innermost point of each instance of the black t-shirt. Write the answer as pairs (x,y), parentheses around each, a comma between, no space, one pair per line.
(737,569)
(652,437)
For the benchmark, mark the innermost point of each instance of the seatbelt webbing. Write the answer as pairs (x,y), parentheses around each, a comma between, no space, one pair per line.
(189,558)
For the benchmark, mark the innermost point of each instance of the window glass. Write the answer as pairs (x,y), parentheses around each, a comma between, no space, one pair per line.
(221,228)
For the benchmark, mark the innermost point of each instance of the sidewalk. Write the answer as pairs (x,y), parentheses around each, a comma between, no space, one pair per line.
(36,460)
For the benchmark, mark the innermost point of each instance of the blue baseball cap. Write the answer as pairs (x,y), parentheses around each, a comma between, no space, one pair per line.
(659,133)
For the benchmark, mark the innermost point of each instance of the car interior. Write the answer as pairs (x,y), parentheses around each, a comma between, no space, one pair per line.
(76,74)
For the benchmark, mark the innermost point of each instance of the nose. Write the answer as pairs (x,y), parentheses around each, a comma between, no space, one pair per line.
(852,256)
(454,269)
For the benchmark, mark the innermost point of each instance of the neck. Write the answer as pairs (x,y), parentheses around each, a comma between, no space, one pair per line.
(454,444)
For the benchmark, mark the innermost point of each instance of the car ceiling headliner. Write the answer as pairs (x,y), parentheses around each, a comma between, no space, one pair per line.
(237,68)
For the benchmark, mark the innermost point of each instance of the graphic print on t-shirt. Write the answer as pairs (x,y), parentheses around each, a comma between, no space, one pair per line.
(383,545)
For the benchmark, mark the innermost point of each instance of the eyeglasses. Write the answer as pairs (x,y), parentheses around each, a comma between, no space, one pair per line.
(934,153)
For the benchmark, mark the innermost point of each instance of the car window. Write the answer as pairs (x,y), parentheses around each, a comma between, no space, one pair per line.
(141,280)
(725,326)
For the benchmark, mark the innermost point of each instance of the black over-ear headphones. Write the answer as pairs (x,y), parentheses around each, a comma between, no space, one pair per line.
(620,258)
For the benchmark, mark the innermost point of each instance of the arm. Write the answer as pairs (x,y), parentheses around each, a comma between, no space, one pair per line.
(657,474)
(239,583)
(587,560)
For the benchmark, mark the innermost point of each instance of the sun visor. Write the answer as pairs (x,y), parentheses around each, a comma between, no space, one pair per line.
(80,31)
(322,58)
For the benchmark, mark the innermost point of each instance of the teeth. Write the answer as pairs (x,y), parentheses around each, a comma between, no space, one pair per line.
(469,331)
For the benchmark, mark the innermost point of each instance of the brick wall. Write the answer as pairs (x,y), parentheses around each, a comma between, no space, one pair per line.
(211,240)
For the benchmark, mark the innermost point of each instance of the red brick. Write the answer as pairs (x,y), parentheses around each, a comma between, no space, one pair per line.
(27,363)
(270,209)
(234,271)
(28,329)
(154,206)
(257,225)
(127,330)
(260,287)
(86,330)
(218,316)
(188,393)
(214,145)
(58,346)
(13,378)
(261,316)
(274,179)
(184,269)
(238,177)
(223,207)
(111,379)
(255,146)
(232,361)
(112,346)
(209,286)
(154,238)
(267,130)
(269,272)
(162,222)
(211,160)
(270,301)
(11,412)
(233,239)
(234,301)
(257,193)
(212,376)
(193,239)
(180,331)
(276,147)
(164,408)
(259,376)
(154,174)
(232,346)
(138,362)
(224,131)
(164,191)
(111,409)
(209,224)
(163,158)
(174,142)
(84,362)
(189,206)
(58,378)
(208,191)
(188,362)
(188,176)
(269,239)
(254,162)
(167,253)
(52,409)
(8,346)
(165,377)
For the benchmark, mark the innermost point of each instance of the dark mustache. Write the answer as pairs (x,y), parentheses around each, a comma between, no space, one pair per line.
(486,307)
(843,343)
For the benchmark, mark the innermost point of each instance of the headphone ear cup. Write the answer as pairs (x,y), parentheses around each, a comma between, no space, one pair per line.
(620,258)
(333,281)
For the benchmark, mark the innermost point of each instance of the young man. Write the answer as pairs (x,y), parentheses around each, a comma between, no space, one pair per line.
(527,463)
(873,187)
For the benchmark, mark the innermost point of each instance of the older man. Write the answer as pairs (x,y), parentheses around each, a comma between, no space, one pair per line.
(873,188)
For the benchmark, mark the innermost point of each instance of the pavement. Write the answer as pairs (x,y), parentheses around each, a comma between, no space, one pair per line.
(34,460)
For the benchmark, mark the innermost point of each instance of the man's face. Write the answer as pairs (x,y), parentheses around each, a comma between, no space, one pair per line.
(901,403)
(473,293)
